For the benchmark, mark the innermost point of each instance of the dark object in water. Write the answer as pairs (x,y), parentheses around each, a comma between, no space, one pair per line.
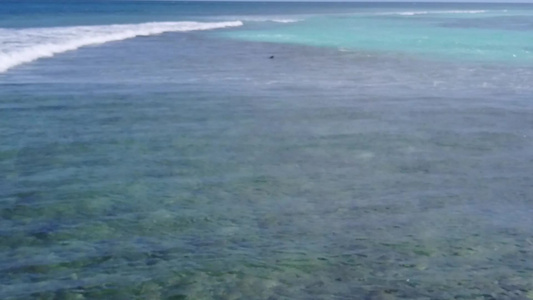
(271,57)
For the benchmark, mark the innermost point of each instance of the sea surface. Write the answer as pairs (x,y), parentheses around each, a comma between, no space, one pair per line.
(214,150)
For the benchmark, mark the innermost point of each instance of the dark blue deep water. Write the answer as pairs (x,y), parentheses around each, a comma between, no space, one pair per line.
(155,150)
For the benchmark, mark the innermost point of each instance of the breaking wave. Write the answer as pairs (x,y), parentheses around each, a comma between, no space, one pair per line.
(274,19)
(413,13)
(285,20)
(19,46)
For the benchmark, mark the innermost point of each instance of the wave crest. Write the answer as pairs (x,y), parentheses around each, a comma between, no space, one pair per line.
(285,20)
(414,13)
(19,46)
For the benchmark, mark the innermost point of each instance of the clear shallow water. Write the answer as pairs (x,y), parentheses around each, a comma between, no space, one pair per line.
(459,34)
(188,165)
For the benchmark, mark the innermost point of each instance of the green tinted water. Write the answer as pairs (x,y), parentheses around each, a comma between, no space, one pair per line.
(447,35)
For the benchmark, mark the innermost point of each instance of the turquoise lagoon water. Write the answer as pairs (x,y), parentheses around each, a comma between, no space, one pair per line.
(418,32)
(153,150)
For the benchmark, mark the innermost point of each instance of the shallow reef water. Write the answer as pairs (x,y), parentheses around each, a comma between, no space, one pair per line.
(190,165)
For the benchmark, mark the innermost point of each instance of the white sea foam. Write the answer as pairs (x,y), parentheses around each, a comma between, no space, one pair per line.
(275,19)
(18,46)
(285,20)
(413,13)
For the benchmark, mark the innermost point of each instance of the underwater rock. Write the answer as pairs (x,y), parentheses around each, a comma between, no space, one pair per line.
(150,291)
(108,293)
(68,295)
(529,295)
(176,297)
(379,295)
(44,296)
